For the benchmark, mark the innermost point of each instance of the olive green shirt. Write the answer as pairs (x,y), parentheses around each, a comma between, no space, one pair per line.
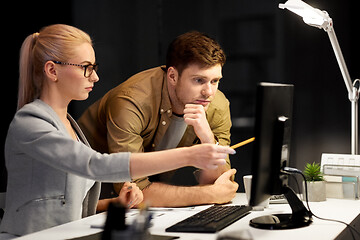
(134,116)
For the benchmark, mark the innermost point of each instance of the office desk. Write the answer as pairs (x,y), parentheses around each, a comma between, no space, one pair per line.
(344,210)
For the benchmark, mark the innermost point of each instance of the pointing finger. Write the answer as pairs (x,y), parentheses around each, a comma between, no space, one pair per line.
(224,149)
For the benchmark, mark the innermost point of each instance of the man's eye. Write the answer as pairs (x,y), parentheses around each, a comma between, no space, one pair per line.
(199,80)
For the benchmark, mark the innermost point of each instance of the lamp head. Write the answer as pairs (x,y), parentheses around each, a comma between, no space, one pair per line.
(311,16)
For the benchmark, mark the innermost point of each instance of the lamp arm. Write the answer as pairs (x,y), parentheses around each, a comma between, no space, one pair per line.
(322,20)
(353,92)
(340,59)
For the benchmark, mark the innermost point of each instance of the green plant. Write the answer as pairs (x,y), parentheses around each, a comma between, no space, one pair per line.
(312,172)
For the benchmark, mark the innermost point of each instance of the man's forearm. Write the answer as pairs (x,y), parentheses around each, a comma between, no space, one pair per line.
(209,176)
(163,195)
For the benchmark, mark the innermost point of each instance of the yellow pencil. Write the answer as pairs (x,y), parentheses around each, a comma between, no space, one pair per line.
(243,143)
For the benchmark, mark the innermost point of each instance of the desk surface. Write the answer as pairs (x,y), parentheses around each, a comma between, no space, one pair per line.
(339,209)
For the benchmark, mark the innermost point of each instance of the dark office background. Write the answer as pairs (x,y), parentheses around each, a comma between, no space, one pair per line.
(262,43)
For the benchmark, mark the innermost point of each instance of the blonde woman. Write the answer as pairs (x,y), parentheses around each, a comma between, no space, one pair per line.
(53,174)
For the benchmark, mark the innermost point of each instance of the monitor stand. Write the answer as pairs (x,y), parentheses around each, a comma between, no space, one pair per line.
(300,216)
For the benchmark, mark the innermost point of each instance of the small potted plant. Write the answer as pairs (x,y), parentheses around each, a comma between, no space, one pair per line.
(316,184)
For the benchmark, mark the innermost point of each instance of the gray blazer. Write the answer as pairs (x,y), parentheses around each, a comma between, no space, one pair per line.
(47,171)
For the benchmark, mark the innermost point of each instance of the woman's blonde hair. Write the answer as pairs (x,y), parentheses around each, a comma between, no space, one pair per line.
(52,43)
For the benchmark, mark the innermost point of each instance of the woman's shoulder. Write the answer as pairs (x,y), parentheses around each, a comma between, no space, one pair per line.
(34,115)
(35,107)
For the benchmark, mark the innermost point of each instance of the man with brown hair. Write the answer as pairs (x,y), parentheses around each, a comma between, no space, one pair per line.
(168,107)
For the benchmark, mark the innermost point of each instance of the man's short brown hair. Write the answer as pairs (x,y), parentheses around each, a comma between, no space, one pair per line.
(194,47)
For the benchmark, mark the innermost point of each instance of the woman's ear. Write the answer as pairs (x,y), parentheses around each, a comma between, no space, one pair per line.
(50,71)
(172,76)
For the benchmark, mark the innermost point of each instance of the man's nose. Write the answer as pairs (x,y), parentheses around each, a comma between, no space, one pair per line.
(207,90)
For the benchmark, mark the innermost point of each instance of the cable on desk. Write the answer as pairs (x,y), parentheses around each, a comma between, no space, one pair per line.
(297,171)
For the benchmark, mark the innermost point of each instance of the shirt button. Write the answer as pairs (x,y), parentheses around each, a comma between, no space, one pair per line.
(161,110)
(153,145)
(169,111)
(163,123)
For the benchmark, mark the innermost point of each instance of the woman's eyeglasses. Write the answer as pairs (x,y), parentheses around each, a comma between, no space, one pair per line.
(88,68)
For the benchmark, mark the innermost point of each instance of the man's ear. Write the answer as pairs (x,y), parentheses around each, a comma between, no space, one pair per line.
(50,71)
(172,76)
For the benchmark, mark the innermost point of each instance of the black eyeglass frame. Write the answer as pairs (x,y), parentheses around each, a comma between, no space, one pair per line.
(95,67)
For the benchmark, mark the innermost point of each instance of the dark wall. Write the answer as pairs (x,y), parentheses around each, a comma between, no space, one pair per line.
(262,42)
(20,20)
(322,108)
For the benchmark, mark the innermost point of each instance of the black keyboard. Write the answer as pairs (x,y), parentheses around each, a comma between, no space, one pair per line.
(211,220)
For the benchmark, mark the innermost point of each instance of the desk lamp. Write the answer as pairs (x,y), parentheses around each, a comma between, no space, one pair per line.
(321,19)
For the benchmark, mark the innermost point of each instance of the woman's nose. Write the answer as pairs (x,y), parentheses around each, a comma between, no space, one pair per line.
(94,77)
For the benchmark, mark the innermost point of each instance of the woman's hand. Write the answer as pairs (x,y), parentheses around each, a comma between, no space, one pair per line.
(209,156)
(130,195)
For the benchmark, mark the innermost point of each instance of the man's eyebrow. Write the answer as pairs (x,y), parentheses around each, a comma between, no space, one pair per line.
(202,76)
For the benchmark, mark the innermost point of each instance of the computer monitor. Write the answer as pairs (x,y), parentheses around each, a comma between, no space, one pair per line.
(273,119)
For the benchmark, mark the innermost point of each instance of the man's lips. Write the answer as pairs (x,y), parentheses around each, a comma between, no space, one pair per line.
(202,102)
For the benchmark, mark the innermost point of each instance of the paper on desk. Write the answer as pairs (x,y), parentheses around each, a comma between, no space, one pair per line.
(191,208)
(133,213)
(100,222)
